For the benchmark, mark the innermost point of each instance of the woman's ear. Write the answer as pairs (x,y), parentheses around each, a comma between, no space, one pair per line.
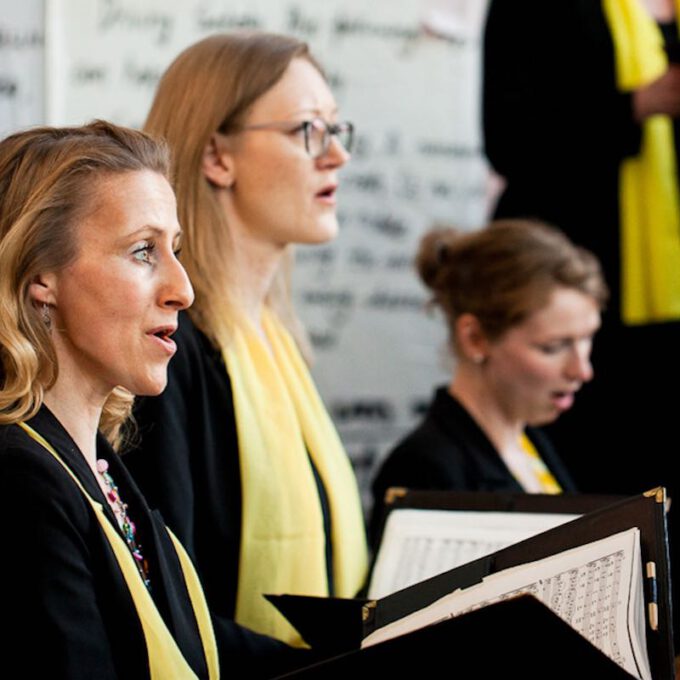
(471,339)
(43,289)
(218,164)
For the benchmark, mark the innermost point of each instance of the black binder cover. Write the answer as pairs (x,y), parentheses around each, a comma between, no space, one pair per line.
(342,628)
(486,643)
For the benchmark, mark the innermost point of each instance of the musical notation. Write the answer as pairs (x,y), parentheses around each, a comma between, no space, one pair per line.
(596,588)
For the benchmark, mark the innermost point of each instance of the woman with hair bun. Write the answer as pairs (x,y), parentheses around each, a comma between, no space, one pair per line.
(522,305)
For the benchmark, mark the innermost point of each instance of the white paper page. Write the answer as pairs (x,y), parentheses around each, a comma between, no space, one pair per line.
(418,544)
(589,587)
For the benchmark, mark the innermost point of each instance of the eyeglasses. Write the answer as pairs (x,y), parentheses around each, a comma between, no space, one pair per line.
(317,133)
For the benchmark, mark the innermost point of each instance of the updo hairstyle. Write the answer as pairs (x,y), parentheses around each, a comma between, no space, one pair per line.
(503,273)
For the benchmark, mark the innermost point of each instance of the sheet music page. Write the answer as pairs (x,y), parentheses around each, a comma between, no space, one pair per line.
(418,544)
(589,587)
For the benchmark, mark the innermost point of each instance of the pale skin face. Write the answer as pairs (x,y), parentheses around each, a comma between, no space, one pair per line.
(114,308)
(276,193)
(531,374)
(535,369)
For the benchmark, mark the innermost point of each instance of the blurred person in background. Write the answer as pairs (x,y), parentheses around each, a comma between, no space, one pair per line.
(522,305)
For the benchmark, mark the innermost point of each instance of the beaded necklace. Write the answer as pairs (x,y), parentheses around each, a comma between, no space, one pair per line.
(126,524)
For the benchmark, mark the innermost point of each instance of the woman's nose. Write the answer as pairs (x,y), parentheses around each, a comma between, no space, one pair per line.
(579,367)
(336,155)
(177,291)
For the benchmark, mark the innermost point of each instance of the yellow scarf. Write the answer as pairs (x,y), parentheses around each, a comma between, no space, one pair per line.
(545,478)
(279,419)
(165,658)
(648,190)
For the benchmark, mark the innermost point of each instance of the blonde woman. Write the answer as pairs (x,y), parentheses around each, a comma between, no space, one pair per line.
(239,453)
(93,586)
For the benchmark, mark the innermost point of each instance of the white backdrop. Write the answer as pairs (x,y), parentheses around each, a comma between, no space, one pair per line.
(405,71)
(22,39)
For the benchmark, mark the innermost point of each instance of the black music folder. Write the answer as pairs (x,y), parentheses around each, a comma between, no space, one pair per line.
(518,638)
(613,559)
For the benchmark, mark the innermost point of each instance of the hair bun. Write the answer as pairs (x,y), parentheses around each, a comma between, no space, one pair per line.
(434,253)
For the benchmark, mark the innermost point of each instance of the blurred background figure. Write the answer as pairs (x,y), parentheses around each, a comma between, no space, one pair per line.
(522,305)
(239,453)
(584,139)
(92,585)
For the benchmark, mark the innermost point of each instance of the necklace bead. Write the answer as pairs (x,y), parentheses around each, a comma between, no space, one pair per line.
(124,522)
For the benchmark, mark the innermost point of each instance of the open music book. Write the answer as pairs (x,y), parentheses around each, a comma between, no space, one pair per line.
(586,598)
(597,588)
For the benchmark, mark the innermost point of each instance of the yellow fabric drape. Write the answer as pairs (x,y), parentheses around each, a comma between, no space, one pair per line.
(279,419)
(648,187)
(165,658)
(546,478)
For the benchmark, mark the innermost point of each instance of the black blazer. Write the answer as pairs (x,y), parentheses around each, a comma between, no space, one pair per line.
(555,124)
(67,609)
(449,451)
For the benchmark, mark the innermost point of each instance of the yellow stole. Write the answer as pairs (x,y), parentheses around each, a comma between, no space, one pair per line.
(546,478)
(648,189)
(165,658)
(279,419)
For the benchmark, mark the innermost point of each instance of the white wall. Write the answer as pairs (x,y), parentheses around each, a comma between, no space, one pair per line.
(413,97)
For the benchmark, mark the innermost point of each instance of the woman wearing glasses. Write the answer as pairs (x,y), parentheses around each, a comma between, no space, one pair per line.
(239,452)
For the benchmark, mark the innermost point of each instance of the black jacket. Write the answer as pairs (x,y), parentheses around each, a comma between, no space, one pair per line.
(555,125)
(67,609)
(449,451)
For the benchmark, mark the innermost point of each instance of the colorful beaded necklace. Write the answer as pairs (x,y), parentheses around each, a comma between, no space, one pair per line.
(126,524)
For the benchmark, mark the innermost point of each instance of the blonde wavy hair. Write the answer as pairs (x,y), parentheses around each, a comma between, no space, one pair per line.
(49,179)
(210,87)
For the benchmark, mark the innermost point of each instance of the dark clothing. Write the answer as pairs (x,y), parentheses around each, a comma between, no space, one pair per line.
(187,465)
(449,451)
(555,125)
(67,609)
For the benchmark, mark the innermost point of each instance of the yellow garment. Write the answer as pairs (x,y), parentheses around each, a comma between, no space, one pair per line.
(538,467)
(165,658)
(279,418)
(648,188)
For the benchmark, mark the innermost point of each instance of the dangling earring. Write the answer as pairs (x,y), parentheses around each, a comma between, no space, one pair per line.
(47,319)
